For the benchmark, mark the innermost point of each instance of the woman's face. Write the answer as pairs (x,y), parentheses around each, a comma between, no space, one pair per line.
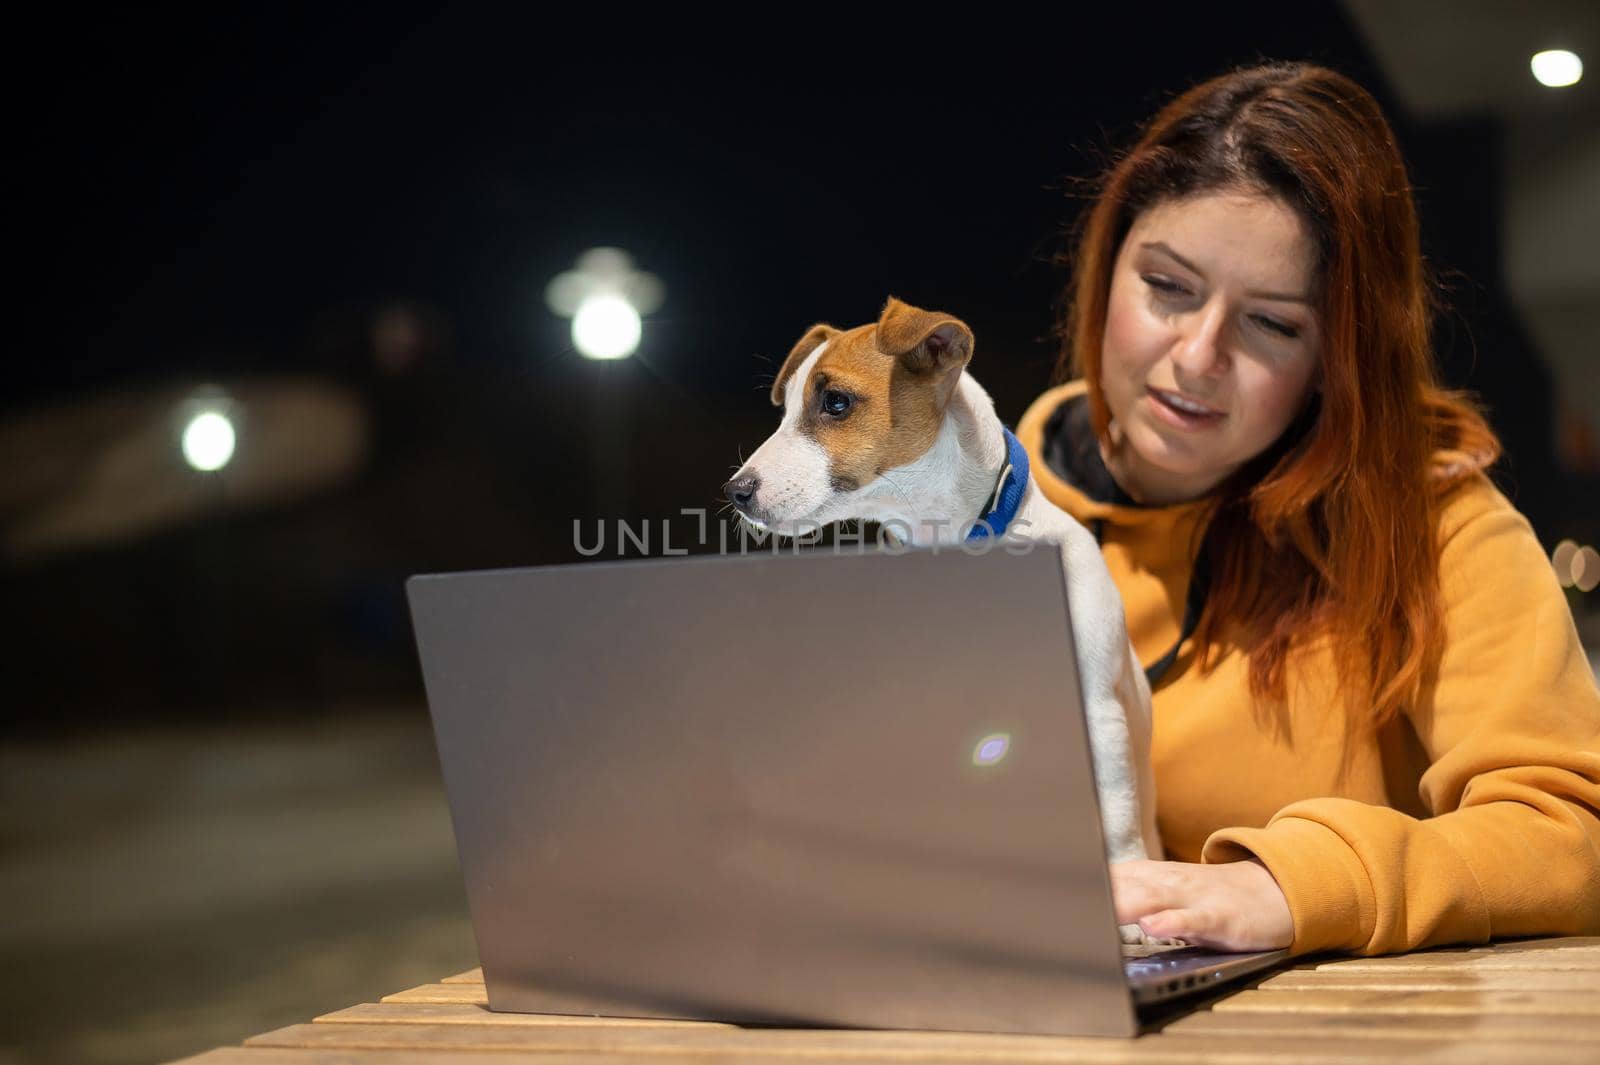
(1211,341)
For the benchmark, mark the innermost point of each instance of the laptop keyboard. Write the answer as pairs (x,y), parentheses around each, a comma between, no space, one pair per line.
(1146,950)
(1154,966)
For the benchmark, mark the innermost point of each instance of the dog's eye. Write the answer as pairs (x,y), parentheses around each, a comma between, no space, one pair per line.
(836,404)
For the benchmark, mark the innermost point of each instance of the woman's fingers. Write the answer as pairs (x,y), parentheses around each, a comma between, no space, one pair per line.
(1196,925)
(1133,890)
(1174,924)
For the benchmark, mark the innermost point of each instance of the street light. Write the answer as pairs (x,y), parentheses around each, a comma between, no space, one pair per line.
(606,327)
(606,298)
(208,441)
(1556,68)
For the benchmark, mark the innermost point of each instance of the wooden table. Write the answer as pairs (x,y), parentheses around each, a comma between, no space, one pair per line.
(1523,1002)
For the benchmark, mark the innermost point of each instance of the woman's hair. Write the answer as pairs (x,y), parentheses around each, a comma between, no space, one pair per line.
(1334,528)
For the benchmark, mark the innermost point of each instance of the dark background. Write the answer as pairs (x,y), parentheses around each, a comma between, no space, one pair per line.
(236,194)
(227,198)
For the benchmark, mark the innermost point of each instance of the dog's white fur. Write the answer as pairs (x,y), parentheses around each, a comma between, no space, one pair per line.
(938,496)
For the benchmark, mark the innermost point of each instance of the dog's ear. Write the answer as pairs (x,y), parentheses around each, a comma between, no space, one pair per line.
(924,342)
(814,338)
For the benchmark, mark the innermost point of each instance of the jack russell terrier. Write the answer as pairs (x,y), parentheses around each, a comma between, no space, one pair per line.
(882,423)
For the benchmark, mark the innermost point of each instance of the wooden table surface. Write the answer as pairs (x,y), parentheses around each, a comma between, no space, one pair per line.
(1524,1002)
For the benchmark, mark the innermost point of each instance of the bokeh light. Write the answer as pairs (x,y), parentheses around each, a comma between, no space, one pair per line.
(1556,68)
(606,327)
(208,441)
(606,298)
(1561,558)
(1586,569)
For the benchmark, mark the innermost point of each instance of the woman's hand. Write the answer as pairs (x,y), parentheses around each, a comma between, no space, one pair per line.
(1233,906)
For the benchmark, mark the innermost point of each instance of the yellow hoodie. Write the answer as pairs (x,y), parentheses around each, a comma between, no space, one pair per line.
(1478,819)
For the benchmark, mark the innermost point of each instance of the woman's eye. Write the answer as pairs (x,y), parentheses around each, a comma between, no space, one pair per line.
(835,403)
(1281,328)
(1164,286)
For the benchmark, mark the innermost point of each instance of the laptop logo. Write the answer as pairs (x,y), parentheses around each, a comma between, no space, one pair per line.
(991,749)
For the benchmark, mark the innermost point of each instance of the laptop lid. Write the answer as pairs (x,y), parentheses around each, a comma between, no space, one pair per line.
(798,789)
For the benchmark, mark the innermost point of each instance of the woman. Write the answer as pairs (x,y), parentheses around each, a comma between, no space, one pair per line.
(1375,726)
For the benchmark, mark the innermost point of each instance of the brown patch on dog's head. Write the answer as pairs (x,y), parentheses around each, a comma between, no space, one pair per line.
(813,339)
(898,374)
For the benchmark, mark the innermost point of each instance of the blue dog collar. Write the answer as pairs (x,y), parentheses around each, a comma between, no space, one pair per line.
(1007,494)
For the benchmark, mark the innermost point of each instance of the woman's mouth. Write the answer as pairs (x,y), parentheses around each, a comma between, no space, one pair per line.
(1182,412)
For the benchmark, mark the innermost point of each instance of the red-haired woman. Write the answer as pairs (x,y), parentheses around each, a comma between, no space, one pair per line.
(1375,728)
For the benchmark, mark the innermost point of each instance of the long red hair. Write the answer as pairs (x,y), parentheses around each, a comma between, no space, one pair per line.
(1334,529)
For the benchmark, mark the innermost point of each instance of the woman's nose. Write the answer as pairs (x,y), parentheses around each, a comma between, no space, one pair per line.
(1200,349)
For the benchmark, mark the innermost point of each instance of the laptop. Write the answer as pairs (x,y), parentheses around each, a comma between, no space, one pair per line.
(844,790)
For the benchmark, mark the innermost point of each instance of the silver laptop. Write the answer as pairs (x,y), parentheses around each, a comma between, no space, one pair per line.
(803,789)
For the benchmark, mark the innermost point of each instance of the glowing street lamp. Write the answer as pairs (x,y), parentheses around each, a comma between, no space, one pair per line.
(208,441)
(1556,68)
(606,298)
(606,327)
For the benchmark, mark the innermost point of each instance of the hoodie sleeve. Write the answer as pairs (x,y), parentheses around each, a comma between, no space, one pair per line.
(1513,740)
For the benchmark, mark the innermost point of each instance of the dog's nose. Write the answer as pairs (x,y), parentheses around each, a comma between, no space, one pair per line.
(741,490)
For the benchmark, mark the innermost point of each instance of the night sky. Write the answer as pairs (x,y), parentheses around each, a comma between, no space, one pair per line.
(219,185)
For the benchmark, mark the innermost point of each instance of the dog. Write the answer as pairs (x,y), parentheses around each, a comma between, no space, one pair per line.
(883,423)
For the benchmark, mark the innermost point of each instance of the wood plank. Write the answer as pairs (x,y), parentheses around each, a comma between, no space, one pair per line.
(1149,1051)
(1160,1050)
(1460,1003)
(1495,1026)
(807,1042)
(838,1045)
(471,976)
(1434,980)
(313,1056)
(472,994)
(1507,946)
(1474,961)
(461,1013)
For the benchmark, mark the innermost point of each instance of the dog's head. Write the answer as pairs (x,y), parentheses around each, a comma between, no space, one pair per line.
(856,402)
